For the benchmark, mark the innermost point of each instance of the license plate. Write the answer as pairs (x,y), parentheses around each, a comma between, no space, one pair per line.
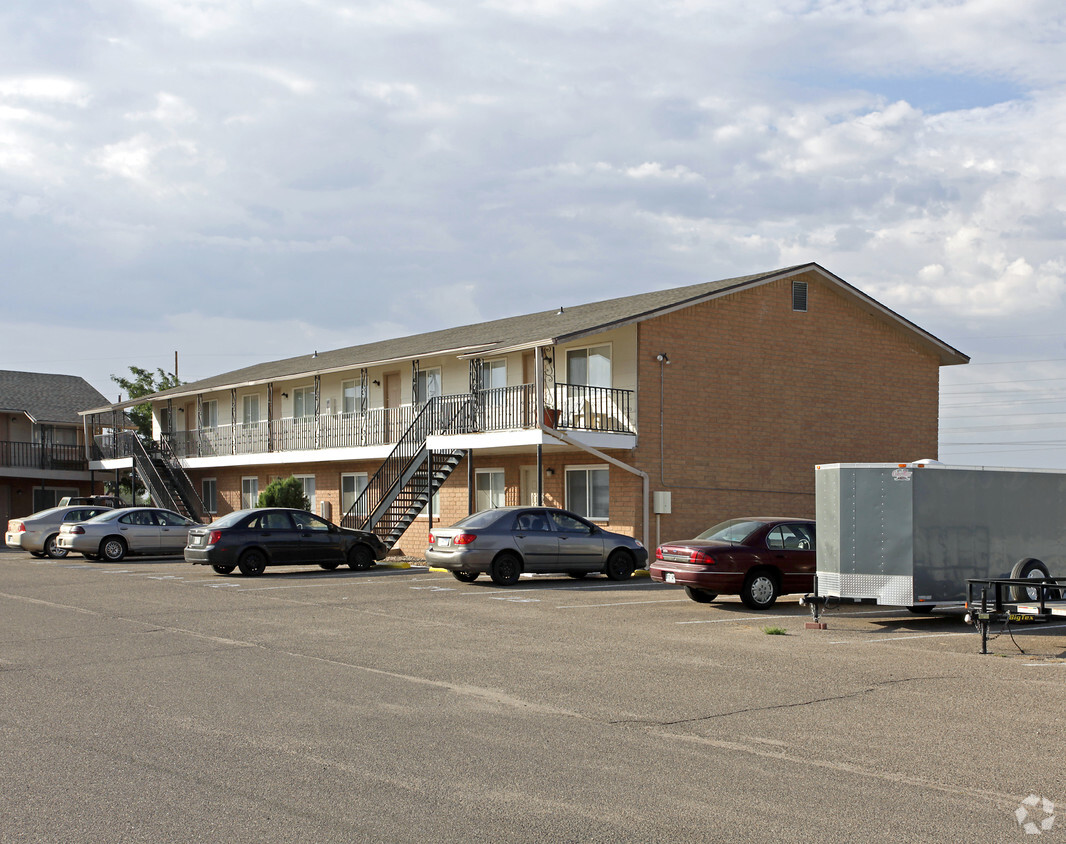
(444,541)
(670,577)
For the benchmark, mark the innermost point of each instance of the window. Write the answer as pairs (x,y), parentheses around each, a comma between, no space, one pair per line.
(353,395)
(494,374)
(429,384)
(434,507)
(352,487)
(799,296)
(308,482)
(250,409)
(209,414)
(791,538)
(588,492)
(590,367)
(249,493)
(45,498)
(303,402)
(209,494)
(489,488)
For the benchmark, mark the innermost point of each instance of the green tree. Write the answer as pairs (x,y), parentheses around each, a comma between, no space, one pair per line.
(143,383)
(284,492)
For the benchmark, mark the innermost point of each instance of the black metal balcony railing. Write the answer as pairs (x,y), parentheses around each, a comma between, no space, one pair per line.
(576,407)
(20,455)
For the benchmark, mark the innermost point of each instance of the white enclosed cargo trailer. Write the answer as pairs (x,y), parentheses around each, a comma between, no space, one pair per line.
(913,534)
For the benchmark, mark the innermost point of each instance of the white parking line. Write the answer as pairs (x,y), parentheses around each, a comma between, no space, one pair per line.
(621,604)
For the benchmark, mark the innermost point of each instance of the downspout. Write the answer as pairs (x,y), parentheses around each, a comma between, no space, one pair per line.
(645,494)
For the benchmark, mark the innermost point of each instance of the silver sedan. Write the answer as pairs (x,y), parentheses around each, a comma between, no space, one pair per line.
(37,533)
(511,540)
(131,530)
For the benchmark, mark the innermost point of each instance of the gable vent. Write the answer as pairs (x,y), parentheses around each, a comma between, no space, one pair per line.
(799,296)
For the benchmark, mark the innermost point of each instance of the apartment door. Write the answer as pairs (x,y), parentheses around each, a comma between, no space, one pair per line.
(392,400)
(527,483)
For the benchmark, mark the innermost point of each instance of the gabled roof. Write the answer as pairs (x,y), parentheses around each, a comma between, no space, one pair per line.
(559,325)
(46,399)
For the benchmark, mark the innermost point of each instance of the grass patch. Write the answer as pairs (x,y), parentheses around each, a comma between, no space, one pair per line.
(775,631)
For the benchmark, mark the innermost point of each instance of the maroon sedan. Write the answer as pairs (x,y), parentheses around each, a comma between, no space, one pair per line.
(757,558)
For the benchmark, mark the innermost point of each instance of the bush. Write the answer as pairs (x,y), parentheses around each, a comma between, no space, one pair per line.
(284,492)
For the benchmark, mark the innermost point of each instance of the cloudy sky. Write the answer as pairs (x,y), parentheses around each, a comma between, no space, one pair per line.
(243,180)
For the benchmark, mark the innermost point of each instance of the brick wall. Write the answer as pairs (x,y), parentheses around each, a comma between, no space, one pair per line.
(755,395)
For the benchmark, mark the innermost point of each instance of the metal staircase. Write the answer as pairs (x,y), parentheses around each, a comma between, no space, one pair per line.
(411,474)
(162,473)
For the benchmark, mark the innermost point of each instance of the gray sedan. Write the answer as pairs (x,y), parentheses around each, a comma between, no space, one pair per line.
(511,540)
(131,530)
(37,533)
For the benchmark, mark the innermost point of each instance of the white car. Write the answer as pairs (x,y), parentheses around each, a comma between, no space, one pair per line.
(37,533)
(131,530)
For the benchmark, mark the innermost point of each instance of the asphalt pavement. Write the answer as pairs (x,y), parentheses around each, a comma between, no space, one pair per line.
(155,701)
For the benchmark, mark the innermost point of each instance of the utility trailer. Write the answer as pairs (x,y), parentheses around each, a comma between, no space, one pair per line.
(913,534)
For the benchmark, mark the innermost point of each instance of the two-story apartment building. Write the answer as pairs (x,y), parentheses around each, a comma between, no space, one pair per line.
(725,394)
(42,449)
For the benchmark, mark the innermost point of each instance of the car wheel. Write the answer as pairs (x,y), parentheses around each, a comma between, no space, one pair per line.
(760,590)
(700,596)
(465,576)
(52,550)
(252,563)
(221,569)
(359,558)
(330,566)
(113,549)
(1031,569)
(505,570)
(619,565)
(577,575)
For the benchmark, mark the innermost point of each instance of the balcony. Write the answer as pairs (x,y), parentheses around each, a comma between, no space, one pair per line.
(20,455)
(576,407)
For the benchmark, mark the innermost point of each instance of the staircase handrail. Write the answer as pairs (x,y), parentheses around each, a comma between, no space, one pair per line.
(156,488)
(433,418)
(181,481)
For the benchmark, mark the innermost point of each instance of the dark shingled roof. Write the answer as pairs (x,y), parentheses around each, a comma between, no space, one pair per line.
(46,398)
(552,326)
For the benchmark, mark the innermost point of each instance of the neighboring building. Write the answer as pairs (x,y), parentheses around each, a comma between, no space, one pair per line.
(42,442)
(724,394)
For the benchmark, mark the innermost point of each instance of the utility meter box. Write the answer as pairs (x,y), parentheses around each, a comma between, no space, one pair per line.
(660,502)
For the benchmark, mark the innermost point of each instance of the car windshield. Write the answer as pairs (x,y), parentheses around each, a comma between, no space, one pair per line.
(735,531)
(479,520)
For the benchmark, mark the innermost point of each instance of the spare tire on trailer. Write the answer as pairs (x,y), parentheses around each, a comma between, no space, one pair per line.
(1030,568)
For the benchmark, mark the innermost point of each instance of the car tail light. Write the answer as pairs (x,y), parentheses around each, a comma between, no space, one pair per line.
(19,527)
(432,538)
(464,538)
(214,537)
(77,529)
(701,556)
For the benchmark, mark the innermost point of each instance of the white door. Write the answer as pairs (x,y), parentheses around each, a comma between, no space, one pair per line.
(528,486)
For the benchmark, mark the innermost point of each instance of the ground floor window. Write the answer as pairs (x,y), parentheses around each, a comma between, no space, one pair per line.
(249,493)
(490,489)
(588,491)
(308,482)
(352,486)
(47,497)
(209,494)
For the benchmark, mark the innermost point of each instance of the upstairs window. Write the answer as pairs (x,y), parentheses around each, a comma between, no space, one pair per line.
(303,402)
(590,367)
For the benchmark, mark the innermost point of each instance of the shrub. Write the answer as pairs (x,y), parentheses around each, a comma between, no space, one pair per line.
(284,492)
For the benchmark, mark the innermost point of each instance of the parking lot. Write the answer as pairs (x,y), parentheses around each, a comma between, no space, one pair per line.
(152,700)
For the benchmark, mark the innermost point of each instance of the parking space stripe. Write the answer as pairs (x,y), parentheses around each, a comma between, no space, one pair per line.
(621,604)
